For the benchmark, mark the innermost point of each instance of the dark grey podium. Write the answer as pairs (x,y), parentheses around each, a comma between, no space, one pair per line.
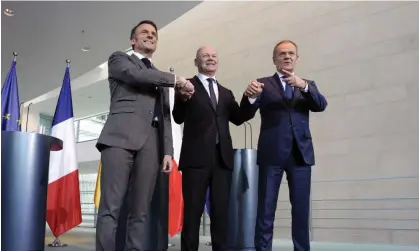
(24,184)
(243,200)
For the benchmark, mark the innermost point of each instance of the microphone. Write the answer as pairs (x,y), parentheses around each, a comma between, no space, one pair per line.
(245,135)
(27,117)
(21,114)
(251,134)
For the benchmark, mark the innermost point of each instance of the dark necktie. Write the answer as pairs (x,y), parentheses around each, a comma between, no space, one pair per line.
(147,62)
(288,93)
(158,106)
(212,93)
(211,83)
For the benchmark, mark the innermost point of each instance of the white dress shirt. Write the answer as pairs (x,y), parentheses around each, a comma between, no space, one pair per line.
(280,75)
(140,56)
(205,83)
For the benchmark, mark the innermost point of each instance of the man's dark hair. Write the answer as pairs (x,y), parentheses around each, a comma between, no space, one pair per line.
(285,42)
(140,23)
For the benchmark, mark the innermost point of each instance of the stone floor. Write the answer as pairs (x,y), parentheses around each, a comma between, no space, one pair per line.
(82,239)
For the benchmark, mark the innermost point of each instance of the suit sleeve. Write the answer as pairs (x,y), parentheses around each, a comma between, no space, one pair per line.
(248,109)
(237,115)
(179,109)
(168,137)
(316,101)
(121,68)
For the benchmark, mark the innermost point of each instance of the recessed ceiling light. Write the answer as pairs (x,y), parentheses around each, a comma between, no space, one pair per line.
(86,48)
(9,12)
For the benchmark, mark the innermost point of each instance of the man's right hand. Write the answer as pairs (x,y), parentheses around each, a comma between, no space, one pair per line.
(254,89)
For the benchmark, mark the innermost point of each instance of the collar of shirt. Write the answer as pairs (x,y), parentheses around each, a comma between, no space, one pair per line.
(140,56)
(203,78)
(280,75)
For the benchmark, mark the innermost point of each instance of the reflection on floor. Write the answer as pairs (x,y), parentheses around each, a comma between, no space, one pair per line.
(83,239)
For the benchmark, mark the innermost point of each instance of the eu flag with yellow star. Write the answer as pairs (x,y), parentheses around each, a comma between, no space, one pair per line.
(10,112)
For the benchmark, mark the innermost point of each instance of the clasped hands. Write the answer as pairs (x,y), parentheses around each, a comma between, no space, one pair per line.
(184,87)
(254,89)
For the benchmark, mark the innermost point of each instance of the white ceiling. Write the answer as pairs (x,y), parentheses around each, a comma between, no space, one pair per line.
(45,34)
(89,100)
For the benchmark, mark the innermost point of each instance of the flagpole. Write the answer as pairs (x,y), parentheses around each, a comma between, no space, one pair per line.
(57,242)
(171,244)
(21,103)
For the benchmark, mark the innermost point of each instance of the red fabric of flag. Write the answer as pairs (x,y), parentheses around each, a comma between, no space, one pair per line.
(175,201)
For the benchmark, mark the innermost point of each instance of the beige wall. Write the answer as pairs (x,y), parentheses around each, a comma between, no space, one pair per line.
(364,57)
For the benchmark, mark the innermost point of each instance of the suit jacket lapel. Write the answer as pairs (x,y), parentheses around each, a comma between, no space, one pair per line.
(201,88)
(296,96)
(276,82)
(221,97)
(138,61)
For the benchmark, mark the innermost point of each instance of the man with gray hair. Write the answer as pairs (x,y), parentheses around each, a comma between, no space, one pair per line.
(285,101)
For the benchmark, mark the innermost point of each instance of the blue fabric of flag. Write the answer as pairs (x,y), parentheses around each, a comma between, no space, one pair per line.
(64,109)
(10,110)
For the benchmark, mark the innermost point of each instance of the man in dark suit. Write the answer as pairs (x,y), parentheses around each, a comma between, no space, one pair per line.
(206,158)
(285,143)
(136,138)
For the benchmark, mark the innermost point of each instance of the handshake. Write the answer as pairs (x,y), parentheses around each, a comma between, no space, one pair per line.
(254,89)
(184,87)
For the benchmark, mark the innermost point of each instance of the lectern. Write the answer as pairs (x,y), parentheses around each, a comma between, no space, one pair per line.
(24,185)
(243,198)
(243,201)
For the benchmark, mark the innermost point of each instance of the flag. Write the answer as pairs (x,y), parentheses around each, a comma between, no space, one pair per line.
(63,201)
(96,198)
(10,110)
(175,178)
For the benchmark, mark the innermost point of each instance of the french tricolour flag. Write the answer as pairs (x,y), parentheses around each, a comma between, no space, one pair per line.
(63,202)
(175,179)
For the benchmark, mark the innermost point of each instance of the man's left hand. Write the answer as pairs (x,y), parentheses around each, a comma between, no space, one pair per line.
(167,164)
(294,80)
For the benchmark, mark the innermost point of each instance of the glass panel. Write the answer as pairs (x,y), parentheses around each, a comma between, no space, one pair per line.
(87,189)
(46,122)
(76,129)
(90,128)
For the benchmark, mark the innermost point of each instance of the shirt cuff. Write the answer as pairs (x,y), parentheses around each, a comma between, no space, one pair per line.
(305,88)
(252,100)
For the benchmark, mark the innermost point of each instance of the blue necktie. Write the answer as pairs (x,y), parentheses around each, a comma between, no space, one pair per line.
(288,93)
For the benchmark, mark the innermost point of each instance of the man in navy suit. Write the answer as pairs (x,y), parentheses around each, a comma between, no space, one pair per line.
(285,145)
